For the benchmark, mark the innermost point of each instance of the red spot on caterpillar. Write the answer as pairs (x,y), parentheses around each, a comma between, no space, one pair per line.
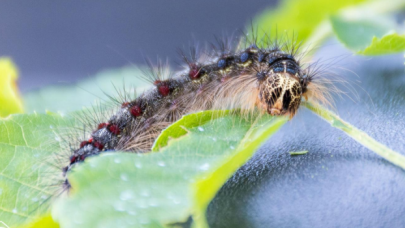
(194,72)
(82,157)
(102,125)
(135,111)
(83,143)
(73,159)
(98,145)
(125,104)
(164,90)
(90,140)
(162,87)
(114,129)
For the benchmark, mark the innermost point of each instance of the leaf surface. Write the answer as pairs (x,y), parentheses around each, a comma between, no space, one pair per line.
(27,145)
(158,189)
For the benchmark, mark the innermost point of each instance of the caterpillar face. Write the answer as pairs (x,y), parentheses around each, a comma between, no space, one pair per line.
(280,90)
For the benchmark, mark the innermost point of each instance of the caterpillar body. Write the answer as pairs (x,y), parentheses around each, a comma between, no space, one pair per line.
(262,76)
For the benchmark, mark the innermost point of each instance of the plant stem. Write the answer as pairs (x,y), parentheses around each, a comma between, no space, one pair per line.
(358,135)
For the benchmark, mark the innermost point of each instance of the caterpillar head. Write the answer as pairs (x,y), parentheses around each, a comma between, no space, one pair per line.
(281,86)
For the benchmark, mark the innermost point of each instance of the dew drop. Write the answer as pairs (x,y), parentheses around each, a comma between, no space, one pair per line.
(138,165)
(215,139)
(117,160)
(170,196)
(124,177)
(145,193)
(119,206)
(232,147)
(153,204)
(132,212)
(142,205)
(200,129)
(15,210)
(176,201)
(50,126)
(126,195)
(57,138)
(35,199)
(161,163)
(205,166)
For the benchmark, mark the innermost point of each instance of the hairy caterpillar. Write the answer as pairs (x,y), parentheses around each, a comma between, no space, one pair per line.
(263,76)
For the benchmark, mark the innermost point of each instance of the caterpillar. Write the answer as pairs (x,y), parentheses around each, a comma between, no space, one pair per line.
(249,75)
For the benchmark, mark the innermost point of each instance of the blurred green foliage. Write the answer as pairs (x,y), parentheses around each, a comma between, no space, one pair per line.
(9,95)
(302,17)
(365,27)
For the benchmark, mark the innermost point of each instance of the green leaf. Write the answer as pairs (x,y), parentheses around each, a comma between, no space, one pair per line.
(358,24)
(27,142)
(177,129)
(368,36)
(87,92)
(360,136)
(157,189)
(9,95)
(301,17)
(389,44)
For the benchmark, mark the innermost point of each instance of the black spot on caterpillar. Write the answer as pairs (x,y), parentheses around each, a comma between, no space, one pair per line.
(262,76)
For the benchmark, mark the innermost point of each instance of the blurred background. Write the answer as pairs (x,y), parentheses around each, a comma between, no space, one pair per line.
(58,42)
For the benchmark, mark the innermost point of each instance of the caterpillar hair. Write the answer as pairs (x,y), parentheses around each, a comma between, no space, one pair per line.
(264,76)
